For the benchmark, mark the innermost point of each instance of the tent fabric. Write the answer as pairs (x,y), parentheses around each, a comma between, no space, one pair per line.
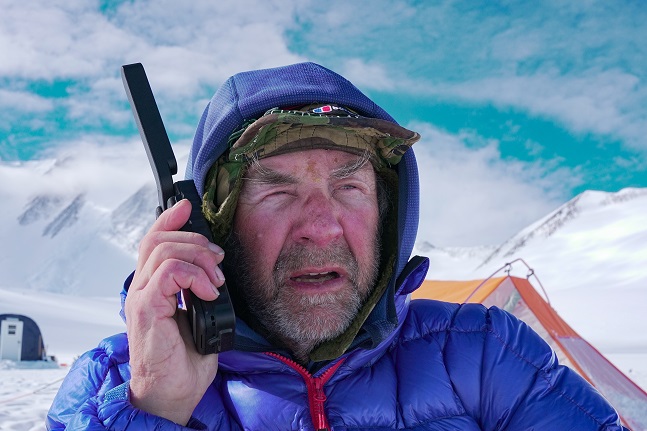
(519,297)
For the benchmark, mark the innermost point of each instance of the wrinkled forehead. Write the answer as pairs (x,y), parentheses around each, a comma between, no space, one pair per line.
(313,163)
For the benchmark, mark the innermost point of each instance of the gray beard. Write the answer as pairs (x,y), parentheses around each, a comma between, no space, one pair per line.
(302,322)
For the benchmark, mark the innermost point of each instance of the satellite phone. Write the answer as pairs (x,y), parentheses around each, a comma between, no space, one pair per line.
(212,322)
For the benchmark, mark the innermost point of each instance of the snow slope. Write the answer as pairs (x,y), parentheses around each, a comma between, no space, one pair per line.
(590,255)
(69,240)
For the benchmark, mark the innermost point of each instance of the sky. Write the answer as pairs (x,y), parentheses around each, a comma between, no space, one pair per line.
(521,105)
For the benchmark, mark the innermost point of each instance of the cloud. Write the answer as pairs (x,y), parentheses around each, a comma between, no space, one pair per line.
(23,101)
(471,196)
(22,109)
(580,65)
(600,102)
(50,40)
(104,168)
(566,68)
(73,39)
(366,75)
(187,49)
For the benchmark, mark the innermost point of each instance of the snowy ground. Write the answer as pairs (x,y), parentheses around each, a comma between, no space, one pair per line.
(26,394)
(72,325)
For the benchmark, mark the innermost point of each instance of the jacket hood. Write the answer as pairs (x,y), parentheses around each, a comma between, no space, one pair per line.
(248,95)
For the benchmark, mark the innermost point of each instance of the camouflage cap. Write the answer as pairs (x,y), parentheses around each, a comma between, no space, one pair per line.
(315,126)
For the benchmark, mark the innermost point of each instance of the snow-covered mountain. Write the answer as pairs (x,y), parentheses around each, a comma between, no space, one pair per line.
(63,232)
(68,234)
(592,218)
(600,237)
(590,255)
(70,228)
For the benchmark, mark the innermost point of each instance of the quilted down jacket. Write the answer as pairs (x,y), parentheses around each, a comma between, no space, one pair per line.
(415,365)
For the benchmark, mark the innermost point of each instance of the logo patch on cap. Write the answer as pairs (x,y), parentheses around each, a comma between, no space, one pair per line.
(325,109)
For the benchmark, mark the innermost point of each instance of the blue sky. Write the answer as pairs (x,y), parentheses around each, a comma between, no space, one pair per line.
(522,105)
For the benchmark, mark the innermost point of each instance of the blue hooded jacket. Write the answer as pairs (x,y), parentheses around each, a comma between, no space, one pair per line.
(422,365)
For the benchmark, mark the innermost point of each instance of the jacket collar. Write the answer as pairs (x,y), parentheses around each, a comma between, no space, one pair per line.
(371,342)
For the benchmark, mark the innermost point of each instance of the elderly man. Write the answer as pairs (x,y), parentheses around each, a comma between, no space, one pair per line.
(311,190)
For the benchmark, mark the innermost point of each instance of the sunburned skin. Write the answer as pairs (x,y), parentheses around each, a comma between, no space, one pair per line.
(312,172)
(308,222)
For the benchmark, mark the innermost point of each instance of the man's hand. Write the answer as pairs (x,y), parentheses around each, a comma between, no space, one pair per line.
(168,375)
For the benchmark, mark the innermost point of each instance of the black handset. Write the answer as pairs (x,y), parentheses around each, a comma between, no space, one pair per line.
(212,322)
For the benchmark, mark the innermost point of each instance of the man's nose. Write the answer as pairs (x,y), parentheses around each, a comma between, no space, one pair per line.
(318,221)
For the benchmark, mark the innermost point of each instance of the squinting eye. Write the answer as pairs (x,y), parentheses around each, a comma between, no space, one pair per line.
(279,193)
(348,187)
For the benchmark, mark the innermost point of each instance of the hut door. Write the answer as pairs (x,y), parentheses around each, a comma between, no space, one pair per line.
(11,339)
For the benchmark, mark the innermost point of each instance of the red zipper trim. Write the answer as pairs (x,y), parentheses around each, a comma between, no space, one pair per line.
(315,386)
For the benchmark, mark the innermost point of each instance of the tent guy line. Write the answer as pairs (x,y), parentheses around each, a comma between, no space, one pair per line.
(35,391)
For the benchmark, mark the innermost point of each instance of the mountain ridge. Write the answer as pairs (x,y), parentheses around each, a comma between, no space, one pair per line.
(67,235)
(68,224)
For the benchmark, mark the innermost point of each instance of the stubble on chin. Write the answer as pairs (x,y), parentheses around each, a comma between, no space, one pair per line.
(302,321)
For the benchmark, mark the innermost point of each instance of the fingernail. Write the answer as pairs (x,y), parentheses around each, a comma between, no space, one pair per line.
(216,249)
(219,275)
(215,290)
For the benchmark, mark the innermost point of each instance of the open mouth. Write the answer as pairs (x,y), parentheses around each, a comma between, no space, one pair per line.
(316,277)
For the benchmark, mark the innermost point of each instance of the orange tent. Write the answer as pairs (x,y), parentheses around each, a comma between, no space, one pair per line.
(519,297)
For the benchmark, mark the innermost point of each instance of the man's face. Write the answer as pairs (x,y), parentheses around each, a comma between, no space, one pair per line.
(307,225)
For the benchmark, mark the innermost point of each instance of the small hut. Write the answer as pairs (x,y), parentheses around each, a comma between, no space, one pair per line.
(20,339)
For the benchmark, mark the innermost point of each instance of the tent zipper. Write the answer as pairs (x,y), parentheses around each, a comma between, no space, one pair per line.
(315,387)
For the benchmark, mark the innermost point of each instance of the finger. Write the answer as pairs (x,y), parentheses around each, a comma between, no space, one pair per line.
(154,239)
(173,218)
(174,275)
(202,257)
(170,220)
(158,299)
